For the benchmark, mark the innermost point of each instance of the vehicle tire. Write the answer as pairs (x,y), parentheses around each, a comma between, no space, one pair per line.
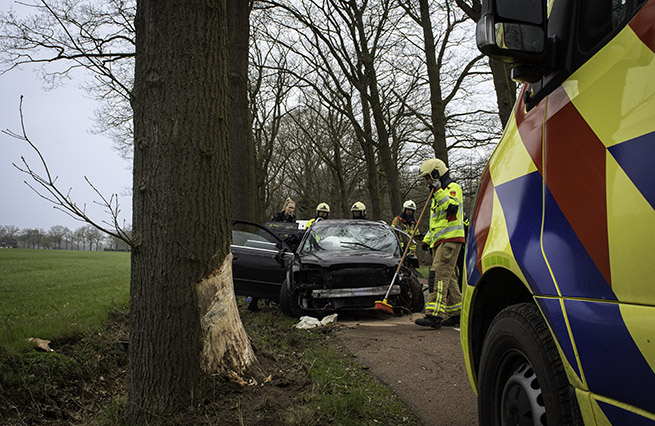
(521,377)
(416,292)
(288,301)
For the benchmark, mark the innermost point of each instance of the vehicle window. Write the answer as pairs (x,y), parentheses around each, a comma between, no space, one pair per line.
(351,238)
(599,18)
(247,235)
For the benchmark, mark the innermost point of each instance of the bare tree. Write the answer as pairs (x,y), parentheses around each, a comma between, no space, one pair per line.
(93,237)
(64,36)
(243,183)
(453,69)
(341,42)
(57,234)
(80,237)
(183,313)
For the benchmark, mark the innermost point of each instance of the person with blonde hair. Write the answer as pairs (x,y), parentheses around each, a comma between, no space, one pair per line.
(288,212)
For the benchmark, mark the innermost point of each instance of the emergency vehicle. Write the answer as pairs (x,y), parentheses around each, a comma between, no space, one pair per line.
(558,319)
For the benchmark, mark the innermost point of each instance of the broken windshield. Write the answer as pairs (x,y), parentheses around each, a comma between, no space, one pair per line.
(349,237)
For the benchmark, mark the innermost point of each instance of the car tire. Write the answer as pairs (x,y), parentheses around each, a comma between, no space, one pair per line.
(288,302)
(521,377)
(416,292)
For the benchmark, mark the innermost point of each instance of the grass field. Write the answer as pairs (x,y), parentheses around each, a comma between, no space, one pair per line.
(51,294)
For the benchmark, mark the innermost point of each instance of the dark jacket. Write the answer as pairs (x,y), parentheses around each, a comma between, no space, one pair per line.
(280,217)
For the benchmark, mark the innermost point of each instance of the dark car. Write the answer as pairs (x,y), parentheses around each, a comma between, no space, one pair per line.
(338,265)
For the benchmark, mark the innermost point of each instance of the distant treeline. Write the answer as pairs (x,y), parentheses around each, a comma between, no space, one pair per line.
(59,238)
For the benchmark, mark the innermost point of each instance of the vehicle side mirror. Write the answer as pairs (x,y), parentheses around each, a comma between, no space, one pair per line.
(514,31)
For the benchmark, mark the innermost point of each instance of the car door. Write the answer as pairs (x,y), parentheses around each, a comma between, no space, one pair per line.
(259,261)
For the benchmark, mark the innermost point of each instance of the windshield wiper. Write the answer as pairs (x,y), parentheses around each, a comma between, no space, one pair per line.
(357,243)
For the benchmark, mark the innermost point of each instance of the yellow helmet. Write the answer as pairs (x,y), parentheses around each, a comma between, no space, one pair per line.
(359,206)
(433,167)
(323,207)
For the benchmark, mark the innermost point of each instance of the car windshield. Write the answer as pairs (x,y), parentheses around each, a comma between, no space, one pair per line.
(335,237)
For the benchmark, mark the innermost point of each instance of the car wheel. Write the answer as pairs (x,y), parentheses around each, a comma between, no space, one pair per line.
(521,378)
(288,301)
(416,292)
(411,297)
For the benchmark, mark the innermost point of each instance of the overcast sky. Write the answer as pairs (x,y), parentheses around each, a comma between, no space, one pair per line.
(58,123)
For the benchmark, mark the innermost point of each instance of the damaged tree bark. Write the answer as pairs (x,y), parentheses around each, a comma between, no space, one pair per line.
(183,316)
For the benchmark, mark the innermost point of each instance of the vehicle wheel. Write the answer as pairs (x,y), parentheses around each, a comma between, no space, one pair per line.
(288,301)
(416,292)
(411,297)
(521,379)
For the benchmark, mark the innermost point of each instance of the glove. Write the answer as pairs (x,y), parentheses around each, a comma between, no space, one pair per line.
(425,246)
(435,185)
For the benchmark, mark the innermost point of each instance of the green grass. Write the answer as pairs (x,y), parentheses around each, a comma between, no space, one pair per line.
(345,394)
(424,271)
(342,392)
(52,294)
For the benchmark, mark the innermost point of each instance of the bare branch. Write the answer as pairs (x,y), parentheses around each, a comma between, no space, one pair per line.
(64,202)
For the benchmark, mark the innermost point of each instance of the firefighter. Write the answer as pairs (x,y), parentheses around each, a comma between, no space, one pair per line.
(406,221)
(322,212)
(446,239)
(288,212)
(358,210)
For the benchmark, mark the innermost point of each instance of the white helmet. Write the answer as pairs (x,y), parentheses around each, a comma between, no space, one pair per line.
(409,204)
(323,207)
(359,206)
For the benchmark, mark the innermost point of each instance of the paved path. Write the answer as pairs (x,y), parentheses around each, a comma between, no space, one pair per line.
(423,366)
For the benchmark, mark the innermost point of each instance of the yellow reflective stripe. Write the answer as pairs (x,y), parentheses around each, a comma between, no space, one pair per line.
(448,230)
(438,214)
(439,290)
(455,307)
(430,308)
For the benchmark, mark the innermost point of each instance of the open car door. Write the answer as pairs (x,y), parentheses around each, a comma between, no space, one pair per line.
(260,261)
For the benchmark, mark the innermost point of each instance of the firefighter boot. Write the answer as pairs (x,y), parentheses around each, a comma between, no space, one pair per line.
(429,321)
(452,321)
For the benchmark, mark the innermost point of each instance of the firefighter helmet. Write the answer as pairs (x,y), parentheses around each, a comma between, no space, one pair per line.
(433,167)
(359,206)
(409,204)
(323,207)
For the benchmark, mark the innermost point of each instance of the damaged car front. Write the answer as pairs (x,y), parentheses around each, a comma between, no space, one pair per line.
(348,265)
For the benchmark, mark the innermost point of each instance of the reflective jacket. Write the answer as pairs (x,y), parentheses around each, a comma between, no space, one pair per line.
(446,216)
(408,227)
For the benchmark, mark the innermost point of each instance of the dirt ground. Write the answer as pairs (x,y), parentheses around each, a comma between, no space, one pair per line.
(424,367)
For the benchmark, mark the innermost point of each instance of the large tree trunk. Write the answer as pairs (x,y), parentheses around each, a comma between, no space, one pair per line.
(182,309)
(243,188)
(389,167)
(365,141)
(437,110)
(505,89)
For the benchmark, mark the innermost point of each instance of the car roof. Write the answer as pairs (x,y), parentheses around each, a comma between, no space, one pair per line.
(349,222)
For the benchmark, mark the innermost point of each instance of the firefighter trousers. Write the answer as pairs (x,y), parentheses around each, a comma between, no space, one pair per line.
(446,299)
